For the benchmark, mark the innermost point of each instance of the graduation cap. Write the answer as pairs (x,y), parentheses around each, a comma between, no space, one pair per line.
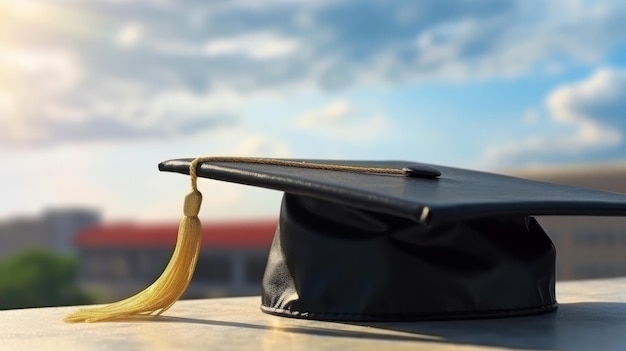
(385,240)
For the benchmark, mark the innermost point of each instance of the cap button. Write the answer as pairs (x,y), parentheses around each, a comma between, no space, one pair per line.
(421,171)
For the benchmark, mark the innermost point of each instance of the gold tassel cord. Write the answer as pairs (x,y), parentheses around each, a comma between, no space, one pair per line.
(291,163)
(169,287)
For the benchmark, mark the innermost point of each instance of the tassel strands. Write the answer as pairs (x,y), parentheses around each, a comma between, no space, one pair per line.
(167,289)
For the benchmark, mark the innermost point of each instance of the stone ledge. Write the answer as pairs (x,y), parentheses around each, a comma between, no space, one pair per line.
(592,316)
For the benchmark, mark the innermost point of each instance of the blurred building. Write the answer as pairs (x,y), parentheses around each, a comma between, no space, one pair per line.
(121,259)
(54,230)
(587,247)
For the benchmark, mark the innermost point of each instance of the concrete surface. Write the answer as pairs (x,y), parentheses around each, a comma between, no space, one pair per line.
(592,316)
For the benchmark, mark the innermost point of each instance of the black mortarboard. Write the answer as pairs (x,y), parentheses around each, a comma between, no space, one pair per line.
(385,240)
(430,242)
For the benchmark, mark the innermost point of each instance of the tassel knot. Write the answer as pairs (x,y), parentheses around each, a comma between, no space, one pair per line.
(192,204)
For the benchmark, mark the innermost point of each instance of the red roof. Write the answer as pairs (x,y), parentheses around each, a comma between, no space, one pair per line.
(244,234)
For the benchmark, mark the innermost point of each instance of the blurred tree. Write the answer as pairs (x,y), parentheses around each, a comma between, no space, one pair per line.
(40,278)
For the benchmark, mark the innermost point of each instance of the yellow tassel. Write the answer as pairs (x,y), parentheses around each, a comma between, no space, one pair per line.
(168,288)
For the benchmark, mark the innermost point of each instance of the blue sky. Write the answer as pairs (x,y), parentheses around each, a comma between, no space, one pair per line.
(94,94)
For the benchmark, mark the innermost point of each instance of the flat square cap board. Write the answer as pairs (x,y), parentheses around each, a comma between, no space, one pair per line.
(432,242)
(454,195)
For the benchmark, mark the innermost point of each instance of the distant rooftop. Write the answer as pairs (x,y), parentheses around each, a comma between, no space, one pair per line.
(601,176)
(232,234)
(570,169)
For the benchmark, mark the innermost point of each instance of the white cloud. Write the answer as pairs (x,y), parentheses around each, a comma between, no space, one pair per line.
(333,115)
(171,109)
(46,98)
(13,125)
(585,139)
(340,119)
(129,35)
(8,105)
(34,82)
(49,73)
(586,117)
(259,46)
(602,96)
(259,145)
(58,77)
